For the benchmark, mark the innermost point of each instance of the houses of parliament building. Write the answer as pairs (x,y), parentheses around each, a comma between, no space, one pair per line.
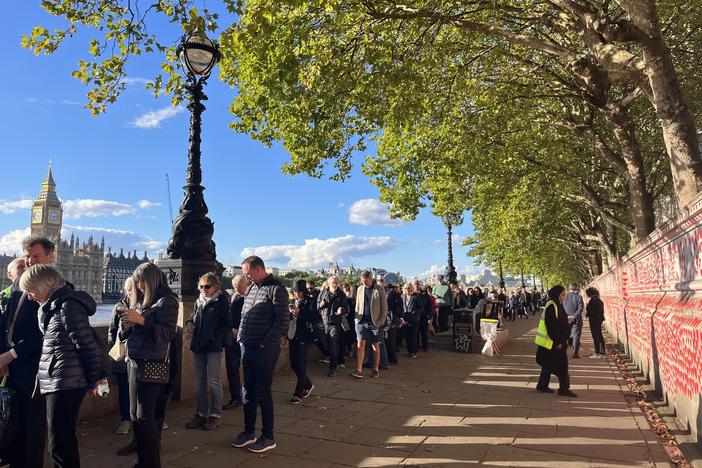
(85,264)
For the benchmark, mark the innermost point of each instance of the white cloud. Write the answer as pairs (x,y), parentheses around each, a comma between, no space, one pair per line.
(316,253)
(76,209)
(11,206)
(71,103)
(116,238)
(153,119)
(435,270)
(135,81)
(146,204)
(11,243)
(371,212)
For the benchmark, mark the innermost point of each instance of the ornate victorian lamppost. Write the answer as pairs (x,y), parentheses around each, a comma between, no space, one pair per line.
(191,250)
(451,220)
(192,229)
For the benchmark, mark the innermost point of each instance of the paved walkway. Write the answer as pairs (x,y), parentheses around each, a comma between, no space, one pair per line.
(441,409)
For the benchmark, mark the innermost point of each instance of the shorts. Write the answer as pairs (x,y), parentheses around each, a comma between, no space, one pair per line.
(368,332)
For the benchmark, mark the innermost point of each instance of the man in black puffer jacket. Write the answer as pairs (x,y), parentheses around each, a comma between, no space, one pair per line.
(20,344)
(264,322)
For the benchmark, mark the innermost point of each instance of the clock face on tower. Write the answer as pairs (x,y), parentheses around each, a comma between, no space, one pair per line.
(36,215)
(53,216)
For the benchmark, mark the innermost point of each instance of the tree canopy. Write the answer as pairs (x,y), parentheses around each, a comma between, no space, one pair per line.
(564,126)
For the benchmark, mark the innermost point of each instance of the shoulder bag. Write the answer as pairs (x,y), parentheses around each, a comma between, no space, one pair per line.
(154,371)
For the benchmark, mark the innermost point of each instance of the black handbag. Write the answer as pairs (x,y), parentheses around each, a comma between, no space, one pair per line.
(7,403)
(154,371)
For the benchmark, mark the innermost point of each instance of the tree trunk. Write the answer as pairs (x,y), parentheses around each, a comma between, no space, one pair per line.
(642,212)
(667,98)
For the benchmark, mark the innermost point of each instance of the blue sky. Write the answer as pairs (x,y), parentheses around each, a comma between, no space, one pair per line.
(110,172)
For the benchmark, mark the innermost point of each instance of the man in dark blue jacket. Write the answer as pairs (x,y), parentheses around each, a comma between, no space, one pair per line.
(264,322)
(20,345)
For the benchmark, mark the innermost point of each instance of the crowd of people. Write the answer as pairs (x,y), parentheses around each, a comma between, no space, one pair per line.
(51,358)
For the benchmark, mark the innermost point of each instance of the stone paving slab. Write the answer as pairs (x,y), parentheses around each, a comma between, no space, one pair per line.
(440,409)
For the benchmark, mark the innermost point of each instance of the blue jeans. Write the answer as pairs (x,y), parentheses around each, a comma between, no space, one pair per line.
(576,330)
(207,372)
(259,364)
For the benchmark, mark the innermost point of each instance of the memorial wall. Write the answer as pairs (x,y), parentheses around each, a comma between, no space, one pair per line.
(653,307)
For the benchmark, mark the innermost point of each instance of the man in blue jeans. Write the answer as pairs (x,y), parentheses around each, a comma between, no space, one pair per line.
(573,305)
(264,322)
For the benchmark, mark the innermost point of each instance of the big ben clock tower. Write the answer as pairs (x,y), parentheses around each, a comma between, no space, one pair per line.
(47,211)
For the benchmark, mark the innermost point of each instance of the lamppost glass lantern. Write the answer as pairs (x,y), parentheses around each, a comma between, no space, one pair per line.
(198,55)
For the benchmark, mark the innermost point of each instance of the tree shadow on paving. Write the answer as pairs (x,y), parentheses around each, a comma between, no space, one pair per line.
(438,410)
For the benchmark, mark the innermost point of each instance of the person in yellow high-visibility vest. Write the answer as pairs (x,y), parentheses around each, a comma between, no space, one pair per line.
(552,344)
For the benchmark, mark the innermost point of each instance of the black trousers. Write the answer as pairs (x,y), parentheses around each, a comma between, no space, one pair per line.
(26,444)
(320,339)
(553,362)
(297,351)
(335,346)
(400,335)
(147,407)
(597,336)
(391,345)
(123,390)
(424,332)
(62,410)
(232,360)
(444,312)
(259,365)
(412,336)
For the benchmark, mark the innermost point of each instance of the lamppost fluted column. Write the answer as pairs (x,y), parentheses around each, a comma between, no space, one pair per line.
(502,276)
(192,229)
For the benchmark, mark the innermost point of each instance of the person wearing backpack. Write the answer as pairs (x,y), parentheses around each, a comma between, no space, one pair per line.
(71,362)
(552,344)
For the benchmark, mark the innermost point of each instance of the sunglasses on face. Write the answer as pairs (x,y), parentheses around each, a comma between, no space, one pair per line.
(205,286)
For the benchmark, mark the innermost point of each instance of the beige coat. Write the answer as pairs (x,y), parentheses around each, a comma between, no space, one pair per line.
(379,305)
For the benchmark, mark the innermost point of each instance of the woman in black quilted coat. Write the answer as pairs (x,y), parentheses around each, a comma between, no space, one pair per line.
(71,359)
(149,327)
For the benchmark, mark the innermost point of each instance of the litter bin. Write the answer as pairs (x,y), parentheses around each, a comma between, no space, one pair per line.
(463,330)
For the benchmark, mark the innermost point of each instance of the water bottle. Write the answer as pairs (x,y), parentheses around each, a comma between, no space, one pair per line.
(104,389)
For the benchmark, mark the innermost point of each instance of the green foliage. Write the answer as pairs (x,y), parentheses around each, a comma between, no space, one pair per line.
(475,109)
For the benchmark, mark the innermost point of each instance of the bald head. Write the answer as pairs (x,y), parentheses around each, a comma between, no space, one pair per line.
(15,269)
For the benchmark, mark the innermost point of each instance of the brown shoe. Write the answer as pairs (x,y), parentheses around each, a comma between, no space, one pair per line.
(211,424)
(376,373)
(196,422)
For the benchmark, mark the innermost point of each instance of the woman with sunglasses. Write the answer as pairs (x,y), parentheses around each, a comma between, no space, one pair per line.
(209,329)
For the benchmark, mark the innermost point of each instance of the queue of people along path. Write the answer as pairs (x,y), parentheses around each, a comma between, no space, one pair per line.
(52,358)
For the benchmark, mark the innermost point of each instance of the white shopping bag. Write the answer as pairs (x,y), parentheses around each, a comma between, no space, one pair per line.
(488,330)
